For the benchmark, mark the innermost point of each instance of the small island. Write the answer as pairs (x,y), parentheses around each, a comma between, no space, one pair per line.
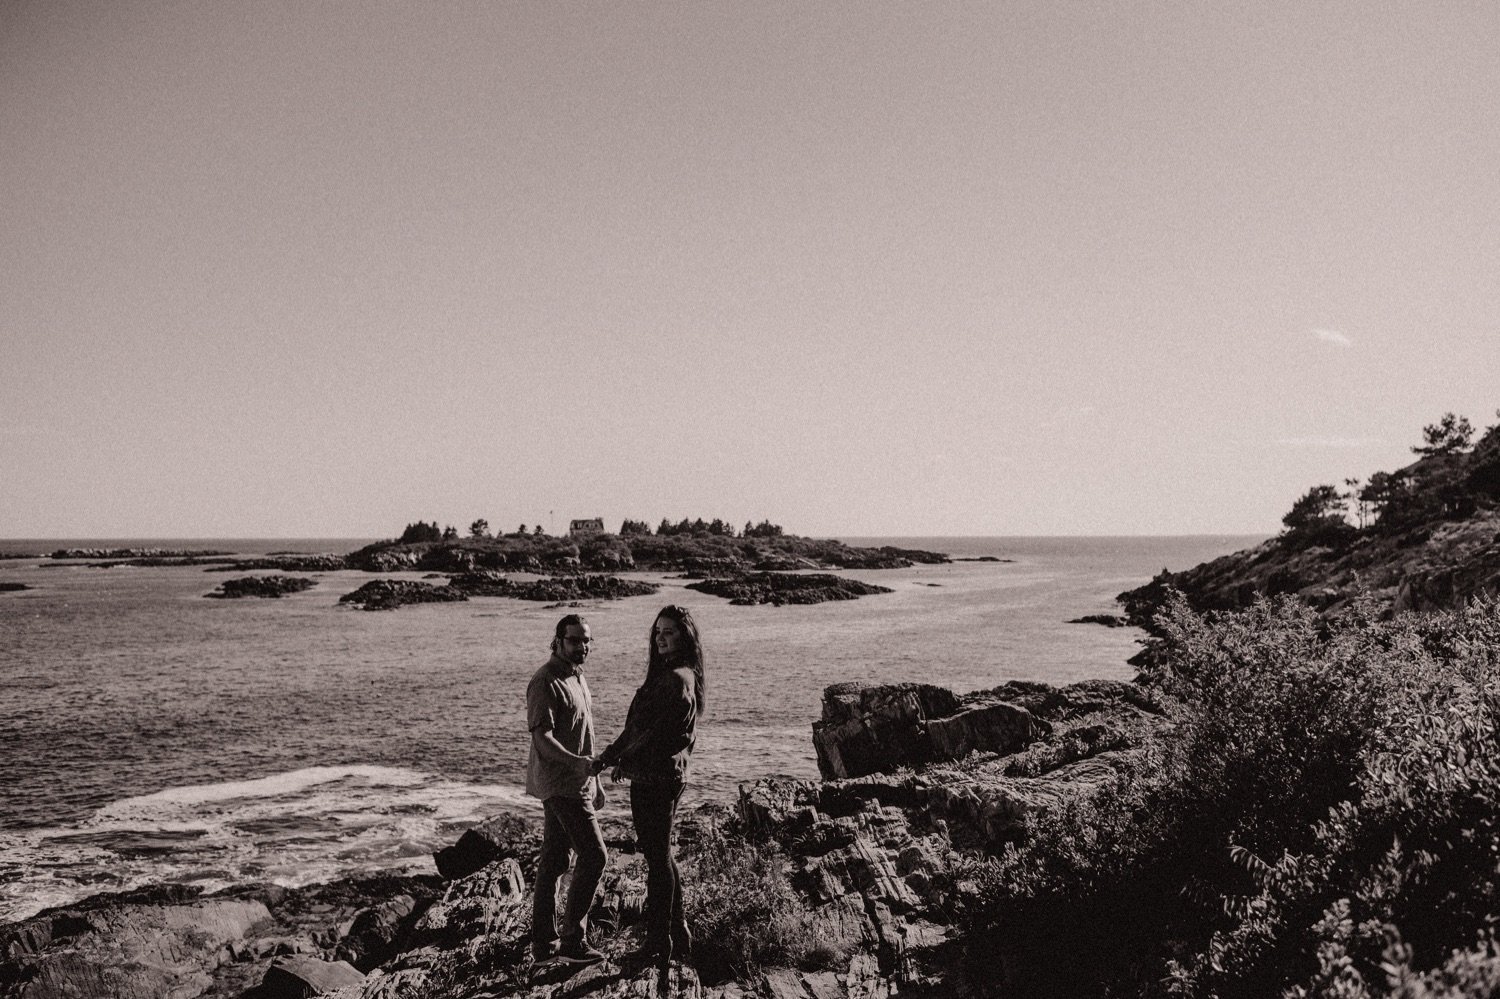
(13,587)
(270,587)
(786,588)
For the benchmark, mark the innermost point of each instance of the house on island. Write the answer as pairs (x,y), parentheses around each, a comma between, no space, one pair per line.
(581,528)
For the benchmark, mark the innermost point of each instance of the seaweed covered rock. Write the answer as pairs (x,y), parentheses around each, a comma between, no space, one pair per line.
(556,589)
(261,586)
(388,594)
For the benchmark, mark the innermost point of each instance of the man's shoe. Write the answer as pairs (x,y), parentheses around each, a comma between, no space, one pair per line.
(579,952)
(544,952)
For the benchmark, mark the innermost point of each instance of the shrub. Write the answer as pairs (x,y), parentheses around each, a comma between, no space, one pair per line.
(1323,821)
(745,914)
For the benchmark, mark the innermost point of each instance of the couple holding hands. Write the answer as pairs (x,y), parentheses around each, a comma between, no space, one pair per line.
(563,771)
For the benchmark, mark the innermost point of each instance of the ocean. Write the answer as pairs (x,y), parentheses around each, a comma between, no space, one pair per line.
(150,735)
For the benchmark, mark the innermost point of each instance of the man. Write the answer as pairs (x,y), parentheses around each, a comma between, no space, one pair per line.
(559,771)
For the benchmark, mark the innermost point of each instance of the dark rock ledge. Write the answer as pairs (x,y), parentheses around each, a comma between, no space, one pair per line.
(261,586)
(13,587)
(918,779)
(786,588)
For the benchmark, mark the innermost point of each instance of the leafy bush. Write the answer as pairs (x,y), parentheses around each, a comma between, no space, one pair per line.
(1324,821)
(745,914)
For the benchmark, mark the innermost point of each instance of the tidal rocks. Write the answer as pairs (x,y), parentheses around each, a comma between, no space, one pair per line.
(1108,620)
(135,553)
(272,587)
(288,563)
(13,587)
(157,561)
(388,594)
(786,588)
(557,589)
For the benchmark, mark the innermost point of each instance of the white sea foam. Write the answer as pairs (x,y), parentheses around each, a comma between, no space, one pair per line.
(292,828)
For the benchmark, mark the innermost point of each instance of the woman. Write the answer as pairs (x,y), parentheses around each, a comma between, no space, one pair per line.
(652,753)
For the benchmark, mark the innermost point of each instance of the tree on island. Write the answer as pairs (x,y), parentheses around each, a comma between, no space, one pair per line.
(634,527)
(420,532)
(479,529)
(450,533)
(765,529)
(537,531)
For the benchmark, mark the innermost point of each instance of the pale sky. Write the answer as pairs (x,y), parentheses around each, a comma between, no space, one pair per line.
(322,269)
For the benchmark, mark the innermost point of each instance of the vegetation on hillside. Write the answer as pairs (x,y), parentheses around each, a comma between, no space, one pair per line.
(1324,821)
(1424,536)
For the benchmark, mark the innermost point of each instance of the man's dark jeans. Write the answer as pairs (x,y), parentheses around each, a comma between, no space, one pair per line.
(653,807)
(569,825)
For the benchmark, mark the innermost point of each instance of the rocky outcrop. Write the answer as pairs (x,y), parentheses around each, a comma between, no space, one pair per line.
(388,594)
(786,588)
(170,941)
(556,589)
(868,729)
(271,587)
(1108,620)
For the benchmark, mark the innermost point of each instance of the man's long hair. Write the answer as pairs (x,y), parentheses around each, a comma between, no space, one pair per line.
(691,655)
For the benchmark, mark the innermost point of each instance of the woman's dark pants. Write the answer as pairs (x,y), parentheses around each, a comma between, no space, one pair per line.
(653,807)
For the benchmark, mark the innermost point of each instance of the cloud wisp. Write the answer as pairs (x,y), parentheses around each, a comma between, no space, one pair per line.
(1334,337)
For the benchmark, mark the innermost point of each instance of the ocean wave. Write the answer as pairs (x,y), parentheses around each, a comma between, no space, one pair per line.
(292,828)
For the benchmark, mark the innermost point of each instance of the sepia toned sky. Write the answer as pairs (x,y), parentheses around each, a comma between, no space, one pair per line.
(861,268)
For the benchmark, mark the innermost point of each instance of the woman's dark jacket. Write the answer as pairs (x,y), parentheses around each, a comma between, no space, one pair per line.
(660,729)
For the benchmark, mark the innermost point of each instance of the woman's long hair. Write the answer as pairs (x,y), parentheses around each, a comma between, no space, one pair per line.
(691,655)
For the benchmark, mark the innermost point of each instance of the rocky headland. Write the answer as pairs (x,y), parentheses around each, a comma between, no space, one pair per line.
(1425,537)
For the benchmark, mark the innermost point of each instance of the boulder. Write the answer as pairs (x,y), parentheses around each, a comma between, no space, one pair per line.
(870,729)
(504,836)
(301,975)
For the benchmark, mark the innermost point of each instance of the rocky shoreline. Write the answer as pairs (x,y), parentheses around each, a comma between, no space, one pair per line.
(916,778)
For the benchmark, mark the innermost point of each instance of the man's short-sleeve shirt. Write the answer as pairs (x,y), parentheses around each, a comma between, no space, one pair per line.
(557,698)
